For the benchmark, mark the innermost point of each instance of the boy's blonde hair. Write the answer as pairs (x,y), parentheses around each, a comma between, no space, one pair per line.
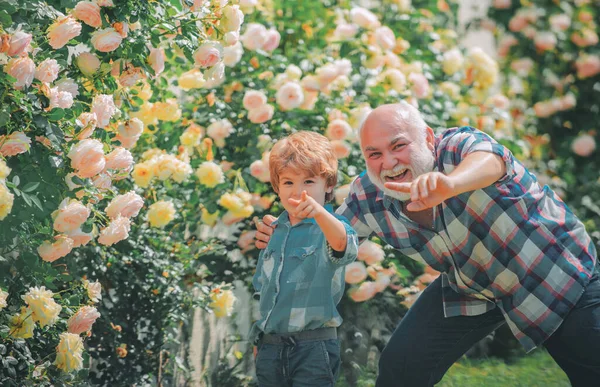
(306,151)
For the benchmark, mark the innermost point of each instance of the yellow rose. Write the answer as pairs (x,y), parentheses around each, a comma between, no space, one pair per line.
(22,325)
(146,115)
(244,212)
(167,111)
(4,170)
(94,290)
(210,174)
(161,213)
(45,309)
(6,201)
(231,202)
(3,297)
(208,218)
(142,174)
(68,352)
(189,139)
(144,90)
(192,79)
(222,302)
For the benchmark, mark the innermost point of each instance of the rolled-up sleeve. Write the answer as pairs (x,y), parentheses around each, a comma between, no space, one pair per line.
(349,254)
(457,144)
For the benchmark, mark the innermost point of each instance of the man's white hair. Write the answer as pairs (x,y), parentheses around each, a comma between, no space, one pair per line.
(404,116)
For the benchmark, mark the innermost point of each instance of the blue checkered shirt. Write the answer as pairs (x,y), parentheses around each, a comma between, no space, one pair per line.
(513,245)
(298,280)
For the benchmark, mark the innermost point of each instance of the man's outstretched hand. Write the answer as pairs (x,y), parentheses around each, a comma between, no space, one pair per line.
(264,230)
(426,191)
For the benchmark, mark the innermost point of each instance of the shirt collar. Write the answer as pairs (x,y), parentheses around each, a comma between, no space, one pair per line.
(284,217)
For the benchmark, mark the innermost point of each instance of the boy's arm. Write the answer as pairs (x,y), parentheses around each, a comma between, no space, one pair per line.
(339,235)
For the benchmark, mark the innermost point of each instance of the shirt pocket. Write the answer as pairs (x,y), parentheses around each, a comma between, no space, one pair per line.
(304,265)
(303,253)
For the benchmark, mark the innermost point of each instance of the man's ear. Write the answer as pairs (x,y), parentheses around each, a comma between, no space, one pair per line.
(430,138)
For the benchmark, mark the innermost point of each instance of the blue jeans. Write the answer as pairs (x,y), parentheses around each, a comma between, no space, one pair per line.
(426,344)
(307,363)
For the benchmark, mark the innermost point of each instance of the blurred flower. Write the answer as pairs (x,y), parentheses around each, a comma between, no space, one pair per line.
(272,40)
(14,144)
(208,54)
(364,292)
(210,174)
(587,66)
(87,157)
(219,131)
(156,59)
(453,61)
(192,79)
(19,43)
(261,114)
(6,201)
(341,149)
(260,170)
(254,37)
(127,205)
(103,106)
(222,302)
(371,253)
(338,129)
(208,218)
(88,63)
(3,297)
(142,174)
(584,145)
(289,96)
(161,213)
(356,272)
(364,18)
(233,54)
(254,99)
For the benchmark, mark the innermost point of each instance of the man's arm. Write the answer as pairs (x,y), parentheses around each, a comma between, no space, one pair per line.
(264,230)
(477,170)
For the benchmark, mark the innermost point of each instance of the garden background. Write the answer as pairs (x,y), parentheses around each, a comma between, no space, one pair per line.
(134,139)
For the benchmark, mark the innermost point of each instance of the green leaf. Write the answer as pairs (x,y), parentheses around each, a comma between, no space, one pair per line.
(37,202)
(4,116)
(27,199)
(56,114)
(56,162)
(5,18)
(30,186)
(16,181)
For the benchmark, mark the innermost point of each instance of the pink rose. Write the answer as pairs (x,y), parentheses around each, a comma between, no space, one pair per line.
(254,99)
(246,241)
(127,205)
(19,43)
(261,114)
(68,85)
(233,54)
(420,85)
(219,131)
(500,101)
(89,13)
(371,253)
(382,282)
(584,145)
(71,214)
(356,272)
(384,37)
(545,41)
(290,96)
(87,158)
(88,63)
(254,37)
(83,320)
(102,181)
(310,83)
(585,38)
(522,66)
(364,18)
(260,170)
(116,231)
(364,292)
(62,30)
(60,99)
(517,23)
(272,40)
(208,54)
(560,22)
(506,42)
(341,149)
(129,133)
(230,38)
(156,59)
(79,237)
(14,144)
(546,108)
(106,40)
(345,31)
(130,75)
(50,252)
(23,69)
(104,107)
(587,66)
(502,4)
(119,158)
(568,102)
(338,130)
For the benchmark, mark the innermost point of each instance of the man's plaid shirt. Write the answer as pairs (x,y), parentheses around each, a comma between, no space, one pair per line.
(514,244)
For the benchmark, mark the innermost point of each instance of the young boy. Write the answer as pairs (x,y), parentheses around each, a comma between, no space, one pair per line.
(300,275)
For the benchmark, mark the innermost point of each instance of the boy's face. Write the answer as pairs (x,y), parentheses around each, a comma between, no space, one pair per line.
(292,182)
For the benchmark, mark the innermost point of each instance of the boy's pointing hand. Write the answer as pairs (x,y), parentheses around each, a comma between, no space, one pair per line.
(306,207)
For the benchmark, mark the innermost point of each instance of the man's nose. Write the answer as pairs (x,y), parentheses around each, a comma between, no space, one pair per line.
(389,161)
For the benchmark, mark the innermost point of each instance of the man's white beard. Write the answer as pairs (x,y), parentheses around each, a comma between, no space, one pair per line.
(421,162)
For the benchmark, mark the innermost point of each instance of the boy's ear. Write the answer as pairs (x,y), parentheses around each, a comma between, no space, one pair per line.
(329,189)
